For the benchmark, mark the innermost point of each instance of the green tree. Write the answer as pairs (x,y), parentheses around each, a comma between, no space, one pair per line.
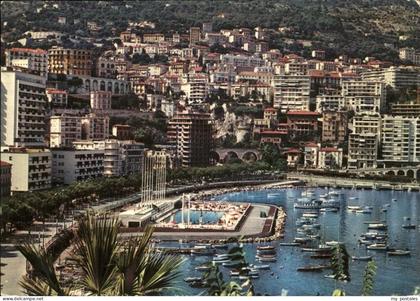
(108,267)
(369,278)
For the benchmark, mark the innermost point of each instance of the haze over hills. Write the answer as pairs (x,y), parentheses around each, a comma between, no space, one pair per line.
(356,27)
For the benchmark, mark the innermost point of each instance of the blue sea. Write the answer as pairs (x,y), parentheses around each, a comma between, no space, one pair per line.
(395,275)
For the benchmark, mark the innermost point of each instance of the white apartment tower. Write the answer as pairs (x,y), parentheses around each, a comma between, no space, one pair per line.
(401,139)
(292,92)
(31,168)
(364,141)
(364,96)
(23,104)
(31,59)
(64,130)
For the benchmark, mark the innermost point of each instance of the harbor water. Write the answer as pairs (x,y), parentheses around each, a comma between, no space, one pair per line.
(397,275)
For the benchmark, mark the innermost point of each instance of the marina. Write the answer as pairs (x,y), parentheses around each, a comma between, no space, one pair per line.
(342,227)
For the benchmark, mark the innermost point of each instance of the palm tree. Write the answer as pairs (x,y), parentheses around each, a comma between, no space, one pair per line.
(108,266)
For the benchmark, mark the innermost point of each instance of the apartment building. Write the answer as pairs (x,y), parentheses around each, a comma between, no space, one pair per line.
(35,60)
(122,132)
(410,55)
(395,77)
(195,87)
(329,102)
(241,62)
(57,98)
(122,157)
(401,139)
(71,165)
(334,126)
(5,179)
(153,37)
(100,100)
(363,95)
(292,92)
(316,156)
(192,133)
(70,61)
(31,168)
(64,130)
(330,158)
(364,141)
(195,35)
(406,108)
(95,127)
(303,123)
(23,105)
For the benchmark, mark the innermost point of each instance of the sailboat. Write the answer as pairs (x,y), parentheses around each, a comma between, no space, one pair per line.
(409,225)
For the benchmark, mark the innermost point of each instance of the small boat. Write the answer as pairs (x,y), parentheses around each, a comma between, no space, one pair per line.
(387,205)
(394,200)
(221,257)
(321,256)
(328,210)
(330,276)
(314,249)
(192,279)
(384,210)
(247,277)
(262,267)
(265,248)
(312,268)
(203,267)
(310,214)
(398,253)
(332,243)
(220,246)
(231,264)
(378,247)
(234,273)
(362,258)
(354,208)
(221,261)
(378,226)
(267,259)
(302,239)
(289,244)
(409,226)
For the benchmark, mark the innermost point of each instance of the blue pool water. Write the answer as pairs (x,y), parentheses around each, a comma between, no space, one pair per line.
(207,217)
(395,275)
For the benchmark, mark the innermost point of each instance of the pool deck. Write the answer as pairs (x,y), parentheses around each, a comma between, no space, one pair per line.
(253,225)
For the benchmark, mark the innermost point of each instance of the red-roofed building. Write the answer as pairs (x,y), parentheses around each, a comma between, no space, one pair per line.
(302,123)
(5,178)
(57,98)
(330,158)
(32,59)
(270,113)
(272,136)
(294,157)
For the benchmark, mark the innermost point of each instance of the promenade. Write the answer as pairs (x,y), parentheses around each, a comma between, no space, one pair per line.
(317,180)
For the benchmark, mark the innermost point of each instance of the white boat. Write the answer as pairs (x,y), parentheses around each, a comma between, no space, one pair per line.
(331,276)
(262,267)
(378,226)
(398,253)
(333,243)
(333,192)
(310,214)
(362,258)
(192,279)
(378,247)
(354,208)
(324,195)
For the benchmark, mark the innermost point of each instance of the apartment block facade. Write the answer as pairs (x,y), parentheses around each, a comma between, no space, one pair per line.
(401,139)
(73,165)
(31,168)
(70,61)
(192,133)
(23,109)
(64,130)
(32,59)
(292,92)
(364,141)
